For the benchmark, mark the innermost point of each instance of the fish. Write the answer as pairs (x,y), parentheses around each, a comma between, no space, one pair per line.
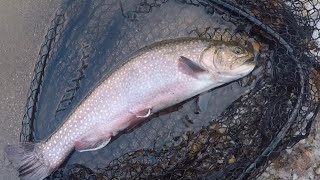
(153,78)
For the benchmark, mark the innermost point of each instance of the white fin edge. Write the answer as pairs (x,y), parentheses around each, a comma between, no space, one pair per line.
(102,145)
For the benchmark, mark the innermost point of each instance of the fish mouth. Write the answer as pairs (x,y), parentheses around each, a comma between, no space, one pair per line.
(250,61)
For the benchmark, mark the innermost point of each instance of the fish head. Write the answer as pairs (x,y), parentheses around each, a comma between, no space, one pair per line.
(228,60)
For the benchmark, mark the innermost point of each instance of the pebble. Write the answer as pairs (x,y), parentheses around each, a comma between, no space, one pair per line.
(304,108)
(303,141)
(222,130)
(294,177)
(309,116)
(289,151)
(317,170)
(232,159)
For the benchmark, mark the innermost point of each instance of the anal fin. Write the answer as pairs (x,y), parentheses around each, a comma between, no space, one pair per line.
(91,144)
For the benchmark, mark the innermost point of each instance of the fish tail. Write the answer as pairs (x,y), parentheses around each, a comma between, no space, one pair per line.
(28,160)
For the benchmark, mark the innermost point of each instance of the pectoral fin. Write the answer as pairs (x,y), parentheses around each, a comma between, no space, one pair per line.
(190,68)
(202,101)
(87,144)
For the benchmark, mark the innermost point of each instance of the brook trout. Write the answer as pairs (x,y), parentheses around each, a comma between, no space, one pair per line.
(156,77)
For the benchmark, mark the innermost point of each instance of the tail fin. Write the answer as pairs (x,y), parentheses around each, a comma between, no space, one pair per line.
(26,158)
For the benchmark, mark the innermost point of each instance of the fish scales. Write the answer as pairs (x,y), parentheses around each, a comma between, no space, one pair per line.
(149,80)
(156,77)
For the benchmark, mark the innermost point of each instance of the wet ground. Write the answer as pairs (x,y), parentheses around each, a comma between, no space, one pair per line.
(23,25)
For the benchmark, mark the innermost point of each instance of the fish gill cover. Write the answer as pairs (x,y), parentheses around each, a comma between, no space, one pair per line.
(246,123)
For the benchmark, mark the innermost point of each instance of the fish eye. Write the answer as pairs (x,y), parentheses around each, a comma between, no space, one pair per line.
(238,51)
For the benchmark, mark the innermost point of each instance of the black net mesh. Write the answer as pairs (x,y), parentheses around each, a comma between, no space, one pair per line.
(247,123)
